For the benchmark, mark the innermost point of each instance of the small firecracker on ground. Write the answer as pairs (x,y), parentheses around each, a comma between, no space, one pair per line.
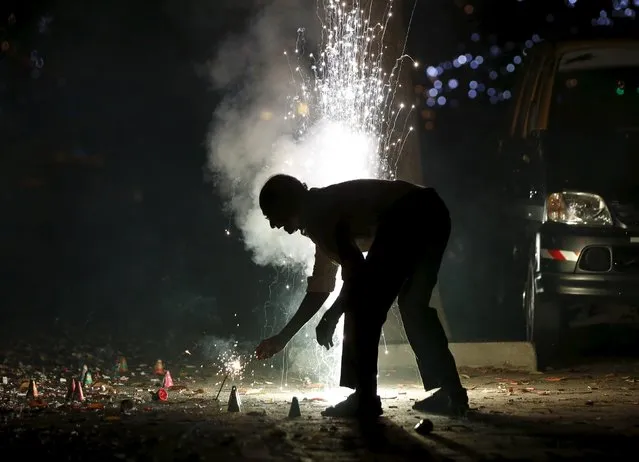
(234,400)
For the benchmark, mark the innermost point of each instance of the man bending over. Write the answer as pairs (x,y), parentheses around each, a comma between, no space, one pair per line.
(405,230)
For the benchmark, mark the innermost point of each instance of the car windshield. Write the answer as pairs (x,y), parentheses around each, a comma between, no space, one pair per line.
(596,91)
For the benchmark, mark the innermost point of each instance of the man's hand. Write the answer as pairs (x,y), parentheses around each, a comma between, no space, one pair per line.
(270,347)
(326,328)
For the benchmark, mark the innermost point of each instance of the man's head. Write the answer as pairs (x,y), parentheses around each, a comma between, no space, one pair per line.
(281,200)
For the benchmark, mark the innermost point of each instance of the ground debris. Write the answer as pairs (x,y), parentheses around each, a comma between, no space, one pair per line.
(521,415)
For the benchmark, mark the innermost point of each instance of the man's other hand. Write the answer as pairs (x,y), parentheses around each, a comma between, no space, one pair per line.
(326,328)
(270,347)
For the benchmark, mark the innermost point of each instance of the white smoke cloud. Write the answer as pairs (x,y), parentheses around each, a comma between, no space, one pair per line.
(251,69)
(251,139)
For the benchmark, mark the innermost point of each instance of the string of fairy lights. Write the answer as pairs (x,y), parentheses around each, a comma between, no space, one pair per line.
(12,50)
(487,74)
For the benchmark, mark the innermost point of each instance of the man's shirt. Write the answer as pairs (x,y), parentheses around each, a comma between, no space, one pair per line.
(342,219)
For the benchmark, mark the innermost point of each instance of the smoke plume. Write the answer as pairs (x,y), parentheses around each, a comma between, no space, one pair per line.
(255,130)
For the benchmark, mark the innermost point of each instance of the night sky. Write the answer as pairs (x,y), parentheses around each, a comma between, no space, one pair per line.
(106,212)
(108,220)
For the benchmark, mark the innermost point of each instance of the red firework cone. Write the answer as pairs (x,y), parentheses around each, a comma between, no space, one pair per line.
(78,394)
(71,389)
(162,394)
(167,382)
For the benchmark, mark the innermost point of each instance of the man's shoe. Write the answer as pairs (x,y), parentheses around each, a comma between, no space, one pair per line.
(441,403)
(354,407)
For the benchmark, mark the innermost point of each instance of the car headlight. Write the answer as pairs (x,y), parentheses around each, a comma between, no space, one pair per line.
(578,208)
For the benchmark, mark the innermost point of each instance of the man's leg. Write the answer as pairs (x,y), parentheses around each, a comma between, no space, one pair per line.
(348,377)
(373,292)
(428,340)
(362,329)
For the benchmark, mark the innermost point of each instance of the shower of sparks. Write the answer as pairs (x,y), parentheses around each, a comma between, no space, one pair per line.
(345,92)
(226,357)
(232,364)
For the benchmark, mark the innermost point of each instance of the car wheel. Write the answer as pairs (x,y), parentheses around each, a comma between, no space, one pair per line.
(543,322)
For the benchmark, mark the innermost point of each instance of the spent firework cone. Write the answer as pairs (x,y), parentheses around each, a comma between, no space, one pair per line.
(158,369)
(71,389)
(78,394)
(123,367)
(167,382)
(32,391)
(87,381)
(234,400)
(294,411)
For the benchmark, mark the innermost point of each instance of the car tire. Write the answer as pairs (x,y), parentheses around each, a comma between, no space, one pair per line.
(543,322)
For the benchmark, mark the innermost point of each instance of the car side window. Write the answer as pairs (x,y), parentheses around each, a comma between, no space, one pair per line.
(523,96)
(530,102)
(544,85)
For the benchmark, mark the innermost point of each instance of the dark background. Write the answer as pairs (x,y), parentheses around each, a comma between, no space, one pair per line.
(107,222)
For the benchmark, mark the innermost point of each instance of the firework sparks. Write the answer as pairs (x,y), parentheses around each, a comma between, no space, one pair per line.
(226,356)
(348,95)
(233,364)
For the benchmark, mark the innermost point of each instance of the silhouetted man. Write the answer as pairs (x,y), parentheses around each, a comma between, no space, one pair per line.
(405,229)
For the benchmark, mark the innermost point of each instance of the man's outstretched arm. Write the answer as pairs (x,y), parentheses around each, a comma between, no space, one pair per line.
(320,285)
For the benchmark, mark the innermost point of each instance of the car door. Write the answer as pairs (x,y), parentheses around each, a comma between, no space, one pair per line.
(521,160)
